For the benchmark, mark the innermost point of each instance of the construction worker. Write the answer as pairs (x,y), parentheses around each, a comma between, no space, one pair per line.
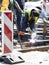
(4,5)
(29,18)
(18,7)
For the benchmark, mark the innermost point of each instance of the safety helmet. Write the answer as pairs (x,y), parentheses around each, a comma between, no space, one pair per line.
(39,8)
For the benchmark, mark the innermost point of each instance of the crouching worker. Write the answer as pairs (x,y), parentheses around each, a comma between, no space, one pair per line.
(29,18)
(4,5)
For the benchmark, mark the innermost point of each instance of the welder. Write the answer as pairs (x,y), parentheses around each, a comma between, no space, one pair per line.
(29,18)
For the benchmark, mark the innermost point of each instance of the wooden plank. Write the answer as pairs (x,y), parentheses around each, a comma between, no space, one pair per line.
(42,28)
(38,48)
(42,35)
(47,36)
(42,24)
(42,40)
(39,28)
(40,32)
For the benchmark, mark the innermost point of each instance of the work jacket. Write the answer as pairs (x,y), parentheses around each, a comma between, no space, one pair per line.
(28,11)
